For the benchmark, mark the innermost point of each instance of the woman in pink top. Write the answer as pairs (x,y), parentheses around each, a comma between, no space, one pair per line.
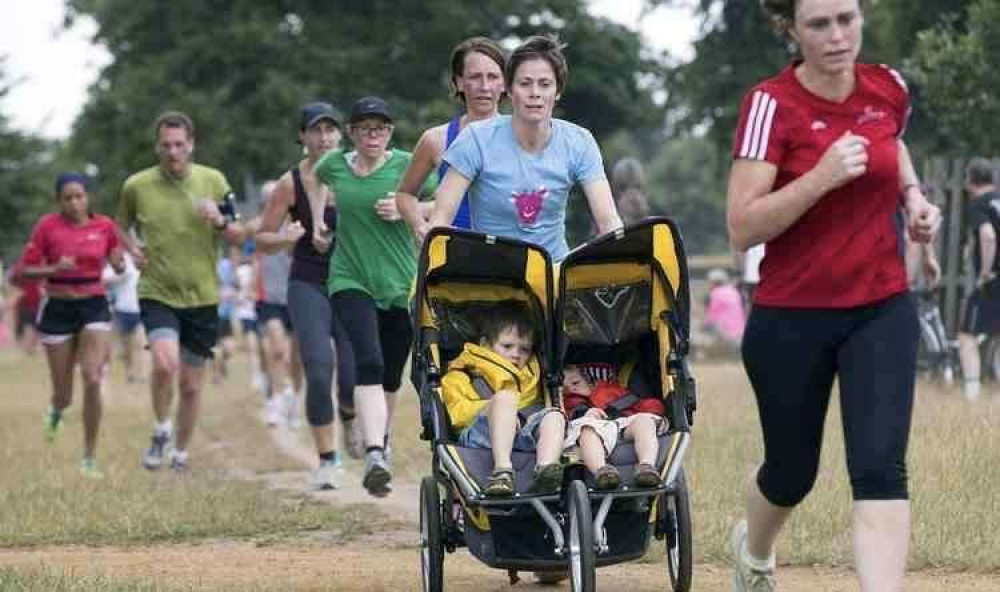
(69,250)
(724,314)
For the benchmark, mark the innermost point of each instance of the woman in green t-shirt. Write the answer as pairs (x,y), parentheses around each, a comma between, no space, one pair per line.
(371,272)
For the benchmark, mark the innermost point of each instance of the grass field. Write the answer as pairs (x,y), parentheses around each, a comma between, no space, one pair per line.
(44,501)
(954,460)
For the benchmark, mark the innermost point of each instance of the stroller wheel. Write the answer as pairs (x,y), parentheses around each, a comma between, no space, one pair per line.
(675,523)
(431,544)
(582,555)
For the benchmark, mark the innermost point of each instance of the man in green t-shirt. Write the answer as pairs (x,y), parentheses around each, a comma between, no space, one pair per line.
(173,209)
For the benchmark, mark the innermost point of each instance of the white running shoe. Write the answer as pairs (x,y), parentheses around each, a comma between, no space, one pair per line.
(292,412)
(747,577)
(377,475)
(274,411)
(152,458)
(325,477)
(260,384)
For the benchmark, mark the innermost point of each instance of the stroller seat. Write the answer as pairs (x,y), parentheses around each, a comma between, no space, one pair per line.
(477,463)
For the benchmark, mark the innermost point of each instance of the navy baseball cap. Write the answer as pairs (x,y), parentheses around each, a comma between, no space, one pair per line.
(316,112)
(370,107)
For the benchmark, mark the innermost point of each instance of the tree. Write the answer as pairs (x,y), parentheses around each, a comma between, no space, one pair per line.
(243,78)
(26,177)
(957,71)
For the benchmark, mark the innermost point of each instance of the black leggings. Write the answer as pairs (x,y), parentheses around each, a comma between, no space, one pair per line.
(314,323)
(380,338)
(792,357)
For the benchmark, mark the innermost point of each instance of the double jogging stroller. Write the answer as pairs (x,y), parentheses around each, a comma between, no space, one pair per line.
(621,298)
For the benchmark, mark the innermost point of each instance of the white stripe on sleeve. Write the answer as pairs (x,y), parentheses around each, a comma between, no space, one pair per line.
(751,120)
(757,131)
(772,106)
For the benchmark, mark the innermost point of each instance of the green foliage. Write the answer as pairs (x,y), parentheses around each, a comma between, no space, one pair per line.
(707,91)
(957,71)
(26,178)
(242,69)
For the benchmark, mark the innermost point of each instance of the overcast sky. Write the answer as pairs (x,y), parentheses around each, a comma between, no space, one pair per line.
(55,67)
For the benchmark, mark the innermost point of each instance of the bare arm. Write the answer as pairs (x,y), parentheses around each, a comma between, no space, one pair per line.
(424,161)
(318,200)
(987,252)
(270,236)
(602,206)
(235,233)
(923,217)
(446,201)
(756,213)
(41,271)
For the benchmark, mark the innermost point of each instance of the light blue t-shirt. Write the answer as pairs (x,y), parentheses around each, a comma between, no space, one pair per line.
(521,194)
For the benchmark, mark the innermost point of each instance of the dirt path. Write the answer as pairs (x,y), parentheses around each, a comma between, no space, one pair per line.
(387,560)
(361,566)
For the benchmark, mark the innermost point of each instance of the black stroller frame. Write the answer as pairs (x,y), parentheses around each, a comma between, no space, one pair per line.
(463,272)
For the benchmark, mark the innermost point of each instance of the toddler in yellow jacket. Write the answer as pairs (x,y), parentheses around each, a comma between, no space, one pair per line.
(493,395)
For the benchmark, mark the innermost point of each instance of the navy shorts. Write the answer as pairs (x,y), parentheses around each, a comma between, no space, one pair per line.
(269,310)
(982,310)
(195,328)
(248,326)
(127,322)
(60,319)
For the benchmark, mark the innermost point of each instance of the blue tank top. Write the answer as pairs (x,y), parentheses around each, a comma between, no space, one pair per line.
(462,217)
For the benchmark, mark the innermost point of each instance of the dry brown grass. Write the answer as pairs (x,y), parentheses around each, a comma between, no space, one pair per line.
(45,501)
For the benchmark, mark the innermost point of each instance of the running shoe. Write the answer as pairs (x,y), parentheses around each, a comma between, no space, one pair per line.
(747,577)
(88,468)
(274,411)
(292,412)
(152,458)
(325,477)
(377,474)
(178,461)
(352,440)
(53,424)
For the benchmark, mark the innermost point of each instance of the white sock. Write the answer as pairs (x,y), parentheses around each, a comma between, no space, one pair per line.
(755,563)
(971,388)
(179,454)
(165,427)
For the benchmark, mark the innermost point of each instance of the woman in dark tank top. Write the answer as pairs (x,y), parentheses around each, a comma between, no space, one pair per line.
(312,316)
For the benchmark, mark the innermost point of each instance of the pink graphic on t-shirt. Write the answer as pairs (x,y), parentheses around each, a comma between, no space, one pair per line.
(529,204)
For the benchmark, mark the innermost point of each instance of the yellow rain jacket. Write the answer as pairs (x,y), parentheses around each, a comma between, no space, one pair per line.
(460,396)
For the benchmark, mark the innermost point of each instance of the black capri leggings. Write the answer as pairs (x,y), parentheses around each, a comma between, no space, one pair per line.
(792,357)
(380,338)
(314,322)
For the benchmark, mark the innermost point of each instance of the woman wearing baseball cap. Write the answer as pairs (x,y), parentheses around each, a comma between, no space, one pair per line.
(370,272)
(320,131)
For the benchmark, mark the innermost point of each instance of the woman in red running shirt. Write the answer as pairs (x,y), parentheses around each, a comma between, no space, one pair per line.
(69,249)
(821,175)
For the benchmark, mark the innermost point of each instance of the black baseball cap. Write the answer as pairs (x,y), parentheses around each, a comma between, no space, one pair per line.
(370,107)
(318,111)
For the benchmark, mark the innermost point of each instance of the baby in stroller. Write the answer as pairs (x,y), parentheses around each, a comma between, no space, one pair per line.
(493,397)
(601,411)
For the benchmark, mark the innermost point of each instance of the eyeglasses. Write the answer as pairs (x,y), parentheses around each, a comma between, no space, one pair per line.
(373,130)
